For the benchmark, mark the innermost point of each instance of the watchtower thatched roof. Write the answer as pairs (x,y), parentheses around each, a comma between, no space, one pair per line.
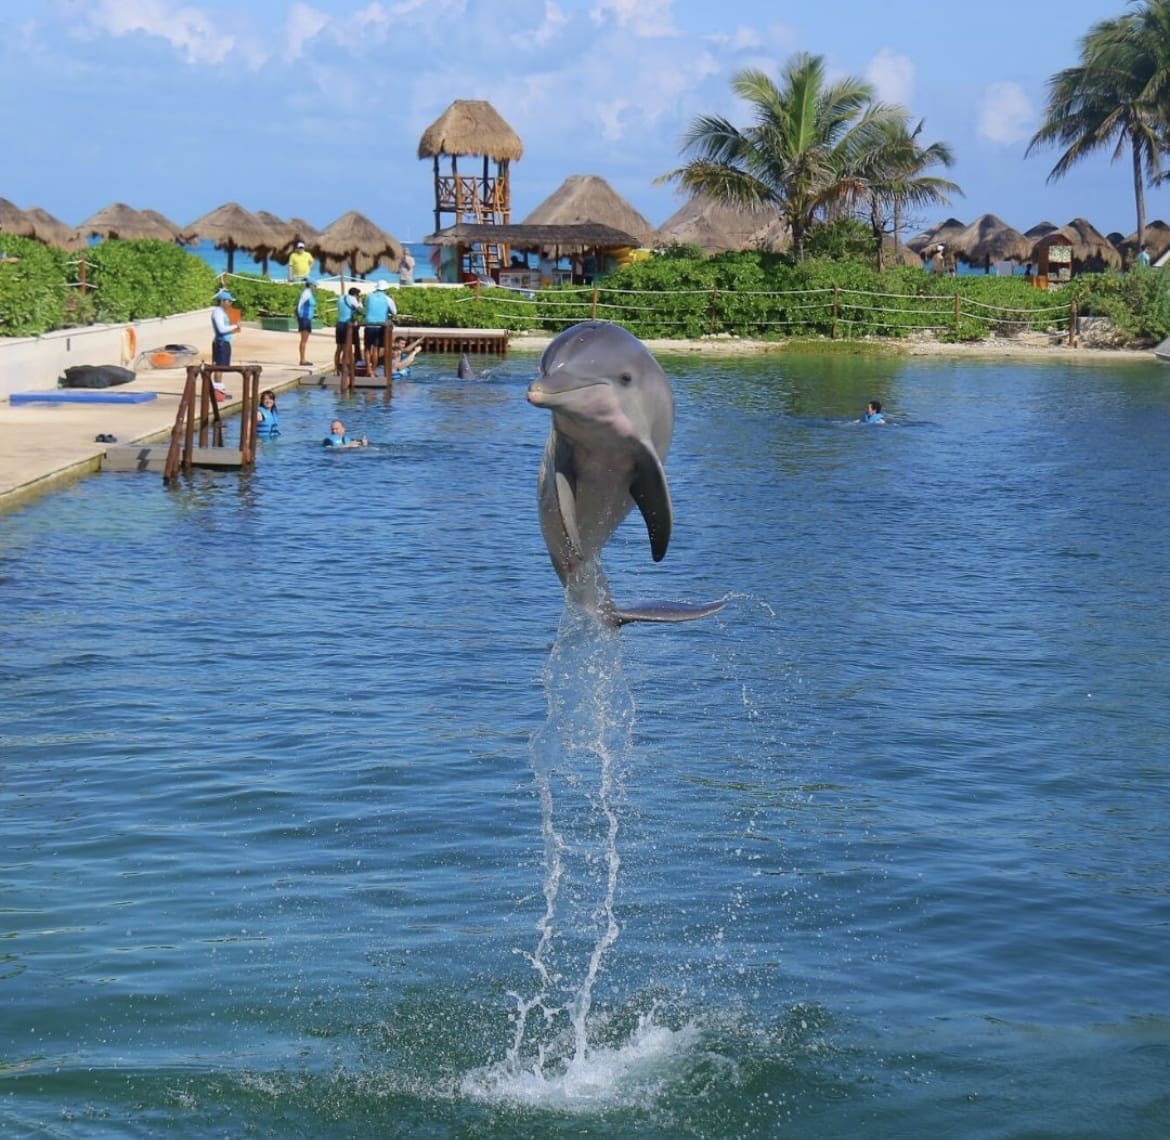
(715,226)
(584,198)
(471,126)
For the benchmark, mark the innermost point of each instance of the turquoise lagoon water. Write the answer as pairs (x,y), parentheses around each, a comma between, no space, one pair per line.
(322,818)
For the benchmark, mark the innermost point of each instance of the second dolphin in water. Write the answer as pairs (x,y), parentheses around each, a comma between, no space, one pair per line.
(612,422)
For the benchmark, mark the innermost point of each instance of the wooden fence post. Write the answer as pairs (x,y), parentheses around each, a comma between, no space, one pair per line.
(593,306)
(713,315)
(958,311)
(1072,324)
(836,310)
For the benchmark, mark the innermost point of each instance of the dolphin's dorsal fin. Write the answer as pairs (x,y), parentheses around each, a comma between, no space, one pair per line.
(650,492)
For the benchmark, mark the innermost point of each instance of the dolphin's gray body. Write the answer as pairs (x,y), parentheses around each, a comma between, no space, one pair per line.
(612,421)
(465,371)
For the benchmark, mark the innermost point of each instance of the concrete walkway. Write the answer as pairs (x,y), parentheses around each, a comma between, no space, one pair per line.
(44,446)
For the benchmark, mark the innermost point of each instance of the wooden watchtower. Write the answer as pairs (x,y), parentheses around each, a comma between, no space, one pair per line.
(472,128)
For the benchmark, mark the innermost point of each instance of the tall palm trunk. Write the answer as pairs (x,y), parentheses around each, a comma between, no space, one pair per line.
(1139,192)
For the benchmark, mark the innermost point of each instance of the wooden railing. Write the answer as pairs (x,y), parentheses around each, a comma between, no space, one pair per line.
(199,410)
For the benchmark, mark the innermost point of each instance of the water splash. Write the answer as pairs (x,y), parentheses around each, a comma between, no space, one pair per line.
(579,758)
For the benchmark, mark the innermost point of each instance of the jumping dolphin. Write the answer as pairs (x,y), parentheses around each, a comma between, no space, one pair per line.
(465,371)
(612,421)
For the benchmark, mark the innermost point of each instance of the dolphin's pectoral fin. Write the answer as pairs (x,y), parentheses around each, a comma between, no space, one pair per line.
(665,611)
(650,492)
(565,482)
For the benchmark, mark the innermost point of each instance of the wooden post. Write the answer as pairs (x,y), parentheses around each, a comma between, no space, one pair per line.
(388,353)
(836,309)
(712,315)
(347,362)
(1072,324)
(958,311)
(593,307)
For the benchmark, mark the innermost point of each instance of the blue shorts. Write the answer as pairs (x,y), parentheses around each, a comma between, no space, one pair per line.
(375,336)
(340,334)
(304,324)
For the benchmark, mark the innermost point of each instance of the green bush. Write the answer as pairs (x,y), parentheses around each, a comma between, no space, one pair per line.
(137,279)
(34,287)
(1138,302)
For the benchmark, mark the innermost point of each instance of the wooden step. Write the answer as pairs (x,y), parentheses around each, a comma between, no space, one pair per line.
(154,458)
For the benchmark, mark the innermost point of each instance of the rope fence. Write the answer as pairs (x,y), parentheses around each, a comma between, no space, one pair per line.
(832,311)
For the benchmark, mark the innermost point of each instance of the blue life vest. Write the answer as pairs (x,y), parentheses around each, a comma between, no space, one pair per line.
(269,425)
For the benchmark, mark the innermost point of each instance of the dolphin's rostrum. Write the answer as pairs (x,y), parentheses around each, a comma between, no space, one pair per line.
(612,421)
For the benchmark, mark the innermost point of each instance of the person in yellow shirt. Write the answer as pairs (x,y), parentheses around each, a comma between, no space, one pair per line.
(300,262)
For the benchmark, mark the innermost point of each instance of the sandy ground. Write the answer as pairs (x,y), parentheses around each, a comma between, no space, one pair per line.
(44,446)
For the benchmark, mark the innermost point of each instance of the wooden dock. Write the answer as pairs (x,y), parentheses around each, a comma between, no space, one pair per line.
(493,341)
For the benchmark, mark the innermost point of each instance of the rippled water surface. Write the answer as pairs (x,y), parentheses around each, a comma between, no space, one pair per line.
(321,818)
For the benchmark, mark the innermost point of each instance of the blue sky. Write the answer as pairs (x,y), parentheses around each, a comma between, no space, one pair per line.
(312,108)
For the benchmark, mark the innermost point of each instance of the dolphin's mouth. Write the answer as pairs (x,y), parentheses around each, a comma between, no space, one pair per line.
(542,393)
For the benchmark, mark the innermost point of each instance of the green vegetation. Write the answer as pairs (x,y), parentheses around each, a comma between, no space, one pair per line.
(1117,97)
(834,292)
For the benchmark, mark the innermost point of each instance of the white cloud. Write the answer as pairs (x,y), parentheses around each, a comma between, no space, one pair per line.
(892,76)
(1005,113)
(742,39)
(197,35)
(553,23)
(644,18)
(302,25)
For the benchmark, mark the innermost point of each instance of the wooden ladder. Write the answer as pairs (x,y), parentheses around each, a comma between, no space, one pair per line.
(184,453)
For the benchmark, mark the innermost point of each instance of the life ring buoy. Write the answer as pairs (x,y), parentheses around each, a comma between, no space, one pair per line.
(131,343)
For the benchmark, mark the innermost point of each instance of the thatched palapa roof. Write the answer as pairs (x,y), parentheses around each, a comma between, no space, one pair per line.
(353,238)
(117,220)
(13,219)
(1157,236)
(566,238)
(586,198)
(471,126)
(231,227)
(51,230)
(936,235)
(1039,230)
(988,239)
(1090,247)
(715,227)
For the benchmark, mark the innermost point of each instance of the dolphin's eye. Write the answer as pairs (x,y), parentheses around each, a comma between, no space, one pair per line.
(626,379)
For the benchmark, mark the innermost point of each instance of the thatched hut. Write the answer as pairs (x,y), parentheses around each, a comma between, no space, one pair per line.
(354,240)
(1091,250)
(1039,230)
(303,231)
(936,235)
(231,227)
(716,226)
(51,230)
(1157,238)
(119,221)
(587,198)
(988,239)
(13,219)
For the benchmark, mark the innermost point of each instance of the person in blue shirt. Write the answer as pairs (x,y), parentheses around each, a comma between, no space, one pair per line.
(873,413)
(267,421)
(222,330)
(349,305)
(380,307)
(338,438)
(306,311)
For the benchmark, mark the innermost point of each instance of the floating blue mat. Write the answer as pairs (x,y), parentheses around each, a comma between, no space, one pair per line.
(82,396)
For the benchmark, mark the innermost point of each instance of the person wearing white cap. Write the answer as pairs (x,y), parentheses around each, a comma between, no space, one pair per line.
(380,307)
(222,330)
(300,262)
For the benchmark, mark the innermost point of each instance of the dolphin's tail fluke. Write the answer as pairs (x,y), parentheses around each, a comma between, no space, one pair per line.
(666,611)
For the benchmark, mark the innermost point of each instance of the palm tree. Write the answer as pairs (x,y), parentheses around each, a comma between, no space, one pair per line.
(1118,95)
(893,170)
(795,156)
